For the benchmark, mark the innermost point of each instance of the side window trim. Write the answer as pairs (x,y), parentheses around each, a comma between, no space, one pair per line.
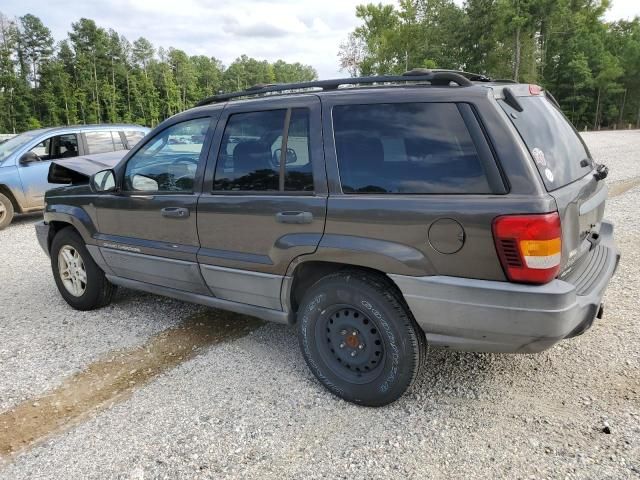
(483,147)
(283,150)
(121,168)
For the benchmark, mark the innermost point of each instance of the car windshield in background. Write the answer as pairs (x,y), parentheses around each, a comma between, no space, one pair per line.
(555,146)
(13,144)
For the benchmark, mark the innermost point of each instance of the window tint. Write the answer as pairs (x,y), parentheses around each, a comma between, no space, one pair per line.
(251,150)
(555,146)
(133,137)
(99,142)
(406,148)
(168,162)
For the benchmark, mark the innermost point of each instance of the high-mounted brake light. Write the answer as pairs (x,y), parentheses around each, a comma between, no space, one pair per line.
(535,89)
(529,246)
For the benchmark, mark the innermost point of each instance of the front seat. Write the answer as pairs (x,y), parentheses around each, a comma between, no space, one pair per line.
(70,149)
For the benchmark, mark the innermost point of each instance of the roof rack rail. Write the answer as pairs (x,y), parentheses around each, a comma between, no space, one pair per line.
(434,77)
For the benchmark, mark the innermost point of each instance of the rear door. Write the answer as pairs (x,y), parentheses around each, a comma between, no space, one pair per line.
(565,167)
(264,198)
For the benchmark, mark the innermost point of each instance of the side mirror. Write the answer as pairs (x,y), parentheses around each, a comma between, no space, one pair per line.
(144,184)
(104,181)
(29,157)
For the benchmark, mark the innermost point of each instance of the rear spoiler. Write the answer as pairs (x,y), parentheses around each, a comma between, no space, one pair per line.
(78,170)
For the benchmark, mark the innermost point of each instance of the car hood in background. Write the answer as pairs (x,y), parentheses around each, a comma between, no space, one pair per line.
(79,169)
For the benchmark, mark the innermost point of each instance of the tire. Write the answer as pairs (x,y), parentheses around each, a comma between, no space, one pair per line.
(6,211)
(96,291)
(353,311)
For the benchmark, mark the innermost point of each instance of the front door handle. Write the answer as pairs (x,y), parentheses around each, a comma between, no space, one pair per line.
(175,212)
(294,217)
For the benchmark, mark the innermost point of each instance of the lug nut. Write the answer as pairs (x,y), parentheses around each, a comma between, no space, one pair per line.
(361,346)
(343,332)
(354,353)
(342,345)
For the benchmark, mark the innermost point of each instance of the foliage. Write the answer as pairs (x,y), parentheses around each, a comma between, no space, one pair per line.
(591,66)
(96,75)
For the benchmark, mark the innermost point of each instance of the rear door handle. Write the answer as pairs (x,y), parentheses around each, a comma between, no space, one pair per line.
(175,212)
(294,217)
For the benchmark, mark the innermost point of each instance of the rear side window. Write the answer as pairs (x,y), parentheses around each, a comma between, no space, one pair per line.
(406,148)
(99,142)
(555,146)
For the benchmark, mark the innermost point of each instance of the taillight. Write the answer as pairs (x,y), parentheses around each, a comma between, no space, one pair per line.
(535,89)
(529,246)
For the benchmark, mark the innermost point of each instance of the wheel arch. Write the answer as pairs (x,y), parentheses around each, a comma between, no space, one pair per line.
(6,191)
(69,216)
(303,274)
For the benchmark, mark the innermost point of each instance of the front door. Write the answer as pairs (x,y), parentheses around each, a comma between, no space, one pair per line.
(147,229)
(34,174)
(264,198)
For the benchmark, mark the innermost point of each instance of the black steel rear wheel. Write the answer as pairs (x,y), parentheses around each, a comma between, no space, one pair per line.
(359,338)
(351,345)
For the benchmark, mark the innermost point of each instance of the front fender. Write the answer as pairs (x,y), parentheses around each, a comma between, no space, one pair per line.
(75,216)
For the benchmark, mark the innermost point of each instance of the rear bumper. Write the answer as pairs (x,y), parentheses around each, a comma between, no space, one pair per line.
(42,233)
(489,316)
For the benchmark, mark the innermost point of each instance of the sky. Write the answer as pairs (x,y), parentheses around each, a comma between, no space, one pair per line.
(309,32)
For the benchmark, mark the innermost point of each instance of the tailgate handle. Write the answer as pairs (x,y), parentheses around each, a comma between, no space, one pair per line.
(294,217)
(175,212)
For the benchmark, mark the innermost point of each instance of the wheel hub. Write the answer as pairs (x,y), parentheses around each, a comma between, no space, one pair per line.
(72,271)
(352,345)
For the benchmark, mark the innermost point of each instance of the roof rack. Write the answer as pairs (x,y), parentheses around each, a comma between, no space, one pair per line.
(434,77)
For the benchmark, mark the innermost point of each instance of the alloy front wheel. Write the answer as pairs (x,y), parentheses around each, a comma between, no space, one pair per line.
(72,271)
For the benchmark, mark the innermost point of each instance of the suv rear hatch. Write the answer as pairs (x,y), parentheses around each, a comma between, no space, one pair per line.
(565,166)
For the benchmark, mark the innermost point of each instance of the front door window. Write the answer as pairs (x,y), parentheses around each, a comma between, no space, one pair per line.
(59,146)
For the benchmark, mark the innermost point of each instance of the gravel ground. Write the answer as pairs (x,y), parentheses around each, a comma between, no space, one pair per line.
(43,340)
(251,409)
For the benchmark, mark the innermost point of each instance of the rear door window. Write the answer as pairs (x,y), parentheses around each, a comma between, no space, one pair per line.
(406,148)
(134,136)
(252,149)
(99,142)
(556,148)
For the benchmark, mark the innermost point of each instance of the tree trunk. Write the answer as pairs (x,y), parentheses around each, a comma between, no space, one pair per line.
(596,121)
(624,99)
(516,55)
(128,95)
(95,77)
(113,93)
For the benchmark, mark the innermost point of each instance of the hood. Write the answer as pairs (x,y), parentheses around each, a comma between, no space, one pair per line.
(79,169)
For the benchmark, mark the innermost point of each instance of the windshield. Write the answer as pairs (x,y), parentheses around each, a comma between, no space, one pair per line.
(556,148)
(13,144)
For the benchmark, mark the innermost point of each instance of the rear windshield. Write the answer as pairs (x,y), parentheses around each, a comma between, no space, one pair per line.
(555,146)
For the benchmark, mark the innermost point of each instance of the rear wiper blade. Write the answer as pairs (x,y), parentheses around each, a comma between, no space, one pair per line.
(601,172)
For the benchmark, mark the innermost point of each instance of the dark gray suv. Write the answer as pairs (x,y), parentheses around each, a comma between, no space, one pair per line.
(380,214)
